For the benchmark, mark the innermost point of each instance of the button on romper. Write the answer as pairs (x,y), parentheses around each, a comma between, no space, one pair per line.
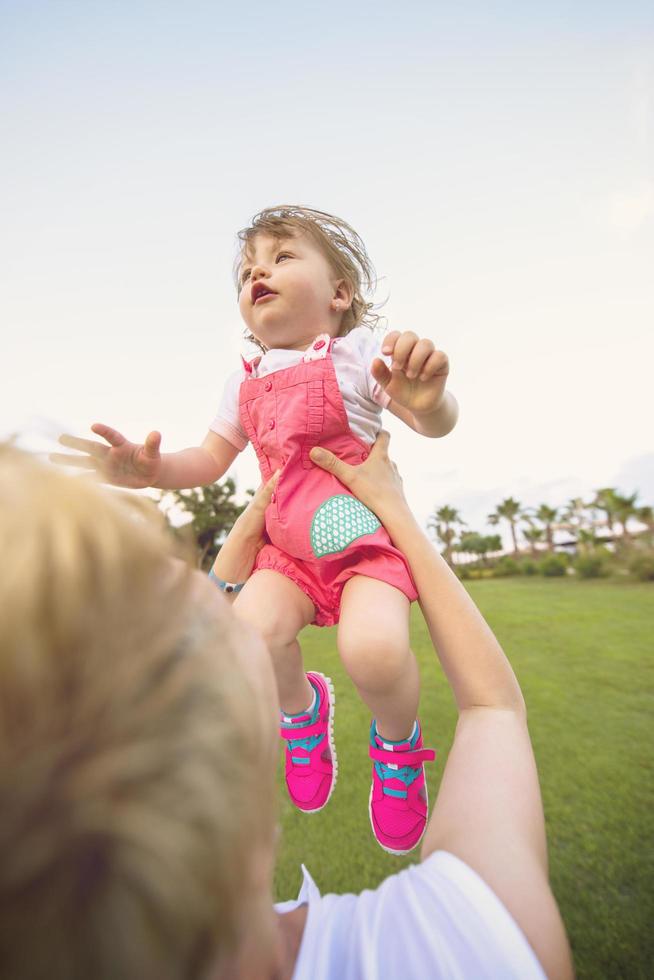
(319,534)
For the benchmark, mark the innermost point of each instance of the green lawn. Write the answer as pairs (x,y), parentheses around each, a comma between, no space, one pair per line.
(583,653)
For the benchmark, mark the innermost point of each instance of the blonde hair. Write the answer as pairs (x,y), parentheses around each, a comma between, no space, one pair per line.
(132,786)
(338,242)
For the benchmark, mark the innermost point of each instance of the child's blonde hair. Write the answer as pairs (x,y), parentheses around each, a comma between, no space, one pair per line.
(134,781)
(339,243)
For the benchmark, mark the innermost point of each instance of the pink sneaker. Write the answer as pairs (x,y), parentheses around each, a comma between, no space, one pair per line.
(398,795)
(311,766)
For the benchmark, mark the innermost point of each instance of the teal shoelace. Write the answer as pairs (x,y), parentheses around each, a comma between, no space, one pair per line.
(304,743)
(407,775)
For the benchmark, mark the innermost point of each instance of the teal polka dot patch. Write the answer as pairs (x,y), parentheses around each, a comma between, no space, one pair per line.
(337,522)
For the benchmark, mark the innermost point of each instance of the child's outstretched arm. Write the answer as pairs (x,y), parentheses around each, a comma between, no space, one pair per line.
(130,464)
(416,383)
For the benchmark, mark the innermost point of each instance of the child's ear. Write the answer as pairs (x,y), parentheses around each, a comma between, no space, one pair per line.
(343,295)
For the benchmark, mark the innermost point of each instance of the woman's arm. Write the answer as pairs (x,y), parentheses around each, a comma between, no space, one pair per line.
(488,811)
(236,558)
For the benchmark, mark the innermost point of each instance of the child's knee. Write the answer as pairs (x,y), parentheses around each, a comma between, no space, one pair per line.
(375,663)
(273,610)
(273,623)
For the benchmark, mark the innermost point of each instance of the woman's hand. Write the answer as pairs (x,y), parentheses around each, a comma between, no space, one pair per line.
(375,482)
(236,558)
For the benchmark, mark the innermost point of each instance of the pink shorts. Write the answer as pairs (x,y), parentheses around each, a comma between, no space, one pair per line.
(322,580)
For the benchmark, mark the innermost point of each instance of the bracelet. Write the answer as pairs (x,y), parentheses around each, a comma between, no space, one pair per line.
(225,586)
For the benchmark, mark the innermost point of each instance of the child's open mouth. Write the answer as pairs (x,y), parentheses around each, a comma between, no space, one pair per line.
(260,292)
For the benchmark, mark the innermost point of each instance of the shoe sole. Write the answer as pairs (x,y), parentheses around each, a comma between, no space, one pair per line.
(390,850)
(332,746)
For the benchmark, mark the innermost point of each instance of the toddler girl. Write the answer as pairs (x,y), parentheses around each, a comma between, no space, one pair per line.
(319,380)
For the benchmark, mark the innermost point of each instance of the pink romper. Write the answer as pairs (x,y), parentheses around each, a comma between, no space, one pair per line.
(320,535)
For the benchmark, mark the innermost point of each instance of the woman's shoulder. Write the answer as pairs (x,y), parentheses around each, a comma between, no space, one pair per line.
(435,919)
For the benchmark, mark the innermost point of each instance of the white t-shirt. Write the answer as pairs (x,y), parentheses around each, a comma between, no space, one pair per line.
(352,356)
(434,921)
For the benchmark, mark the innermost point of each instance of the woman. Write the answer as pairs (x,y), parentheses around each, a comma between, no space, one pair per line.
(137,795)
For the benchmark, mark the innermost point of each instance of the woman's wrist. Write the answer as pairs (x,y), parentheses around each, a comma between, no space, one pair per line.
(401,526)
(235,564)
(236,558)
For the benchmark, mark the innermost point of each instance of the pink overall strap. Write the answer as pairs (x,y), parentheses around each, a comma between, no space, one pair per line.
(318,351)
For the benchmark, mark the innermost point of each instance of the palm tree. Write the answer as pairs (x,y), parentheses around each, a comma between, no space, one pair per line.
(586,538)
(574,515)
(607,500)
(533,535)
(509,509)
(479,544)
(645,514)
(547,516)
(443,522)
(625,507)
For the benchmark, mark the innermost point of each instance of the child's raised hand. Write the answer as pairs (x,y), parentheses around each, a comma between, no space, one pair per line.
(418,373)
(123,463)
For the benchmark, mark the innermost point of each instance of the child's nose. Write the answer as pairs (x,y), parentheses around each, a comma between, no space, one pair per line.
(257,272)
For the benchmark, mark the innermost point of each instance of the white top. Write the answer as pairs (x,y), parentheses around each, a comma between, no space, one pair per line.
(352,356)
(432,921)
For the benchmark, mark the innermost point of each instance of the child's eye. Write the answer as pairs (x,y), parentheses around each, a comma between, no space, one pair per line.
(283,255)
(245,276)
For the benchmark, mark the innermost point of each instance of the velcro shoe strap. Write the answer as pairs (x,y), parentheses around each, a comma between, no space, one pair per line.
(302,731)
(410,758)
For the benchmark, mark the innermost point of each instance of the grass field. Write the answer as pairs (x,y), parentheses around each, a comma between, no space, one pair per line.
(583,653)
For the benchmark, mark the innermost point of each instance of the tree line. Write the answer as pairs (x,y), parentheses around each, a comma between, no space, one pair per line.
(580,526)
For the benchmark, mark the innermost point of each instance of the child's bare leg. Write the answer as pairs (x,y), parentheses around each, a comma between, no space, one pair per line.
(373,642)
(275,606)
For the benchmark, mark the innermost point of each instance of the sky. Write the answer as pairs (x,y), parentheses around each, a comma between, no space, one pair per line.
(496,158)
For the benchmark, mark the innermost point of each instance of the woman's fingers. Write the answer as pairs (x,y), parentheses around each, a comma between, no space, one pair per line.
(263,496)
(380,448)
(343,471)
(376,482)
(251,522)
(327,461)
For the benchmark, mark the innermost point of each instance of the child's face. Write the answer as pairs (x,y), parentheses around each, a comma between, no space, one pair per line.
(289,293)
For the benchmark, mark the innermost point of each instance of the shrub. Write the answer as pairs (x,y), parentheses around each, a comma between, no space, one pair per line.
(643,568)
(590,566)
(506,566)
(462,571)
(529,567)
(553,566)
